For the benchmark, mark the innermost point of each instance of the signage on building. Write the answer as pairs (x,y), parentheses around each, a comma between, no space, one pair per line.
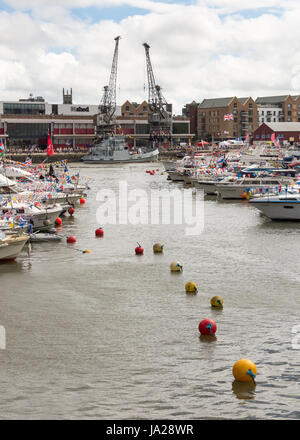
(80,109)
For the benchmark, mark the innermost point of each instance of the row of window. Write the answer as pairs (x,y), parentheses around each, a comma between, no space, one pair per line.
(23,109)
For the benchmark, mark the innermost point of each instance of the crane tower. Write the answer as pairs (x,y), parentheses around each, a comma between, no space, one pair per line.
(160,116)
(105,120)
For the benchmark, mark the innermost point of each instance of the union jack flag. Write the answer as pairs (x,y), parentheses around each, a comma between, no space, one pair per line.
(228,117)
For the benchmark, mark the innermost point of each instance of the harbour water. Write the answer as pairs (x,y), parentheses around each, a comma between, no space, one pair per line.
(112,335)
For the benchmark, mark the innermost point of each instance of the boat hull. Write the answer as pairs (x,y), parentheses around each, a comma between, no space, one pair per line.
(10,251)
(279,210)
(175,176)
(147,157)
(209,188)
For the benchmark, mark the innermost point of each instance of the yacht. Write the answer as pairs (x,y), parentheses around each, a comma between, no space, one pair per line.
(115,150)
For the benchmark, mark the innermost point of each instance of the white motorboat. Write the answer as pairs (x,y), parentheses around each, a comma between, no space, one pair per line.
(237,188)
(11,244)
(279,207)
(208,182)
(40,217)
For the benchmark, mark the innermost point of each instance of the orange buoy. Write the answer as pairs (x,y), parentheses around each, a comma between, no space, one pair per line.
(71,239)
(82,201)
(244,195)
(244,370)
(71,210)
(58,221)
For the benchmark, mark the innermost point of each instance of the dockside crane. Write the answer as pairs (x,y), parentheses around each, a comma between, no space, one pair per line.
(160,116)
(105,120)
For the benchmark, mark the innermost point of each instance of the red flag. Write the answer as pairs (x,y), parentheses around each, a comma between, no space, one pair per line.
(50,151)
(273,137)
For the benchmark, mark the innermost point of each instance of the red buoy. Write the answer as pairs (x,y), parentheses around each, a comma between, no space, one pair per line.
(82,201)
(71,239)
(139,250)
(99,232)
(71,210)
(207,327)
(58,221)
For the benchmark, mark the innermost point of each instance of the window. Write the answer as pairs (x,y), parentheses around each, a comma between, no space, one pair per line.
(33,132)
(262,112)
(289,106)
(127,108)
(13,108)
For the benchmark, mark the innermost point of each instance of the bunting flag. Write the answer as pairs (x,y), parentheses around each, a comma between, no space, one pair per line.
(228,117)
(50,151)
(2,149)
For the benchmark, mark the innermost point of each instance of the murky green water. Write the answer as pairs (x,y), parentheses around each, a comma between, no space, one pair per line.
(111,335)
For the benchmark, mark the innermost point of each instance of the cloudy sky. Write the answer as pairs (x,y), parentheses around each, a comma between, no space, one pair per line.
(199,48)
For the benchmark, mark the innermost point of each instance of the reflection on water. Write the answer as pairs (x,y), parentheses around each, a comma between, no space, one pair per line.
(244,390)
(111,335)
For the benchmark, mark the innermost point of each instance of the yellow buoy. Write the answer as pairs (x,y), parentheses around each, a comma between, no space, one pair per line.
(87,251)
(176,267)
(217,301)
(191,287)
(244,370)
(158,248)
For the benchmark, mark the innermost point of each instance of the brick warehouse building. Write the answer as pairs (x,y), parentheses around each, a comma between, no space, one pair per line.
(284,131)
(211,125)
(26,122)
(284,108)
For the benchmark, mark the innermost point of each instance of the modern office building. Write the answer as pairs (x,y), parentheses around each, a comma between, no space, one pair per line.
(25,123)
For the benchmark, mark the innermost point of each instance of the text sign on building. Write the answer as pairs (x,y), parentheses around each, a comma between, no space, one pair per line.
(80,109)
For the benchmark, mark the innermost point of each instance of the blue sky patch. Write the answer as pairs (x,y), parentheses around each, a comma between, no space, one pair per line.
(96,14)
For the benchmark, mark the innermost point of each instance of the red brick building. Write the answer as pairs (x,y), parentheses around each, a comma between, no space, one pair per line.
(284,131)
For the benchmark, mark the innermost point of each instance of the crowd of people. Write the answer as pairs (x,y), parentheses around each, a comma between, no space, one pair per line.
(28,149)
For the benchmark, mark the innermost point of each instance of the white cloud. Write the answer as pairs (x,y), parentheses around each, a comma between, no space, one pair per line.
(196,51)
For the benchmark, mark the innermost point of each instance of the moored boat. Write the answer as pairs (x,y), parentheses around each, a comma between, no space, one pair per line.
(279,207)
(11,244)
(115,150)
